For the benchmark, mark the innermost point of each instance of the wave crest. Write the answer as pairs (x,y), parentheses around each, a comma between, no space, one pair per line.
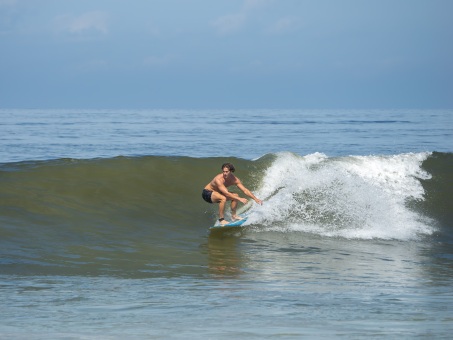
(354,197)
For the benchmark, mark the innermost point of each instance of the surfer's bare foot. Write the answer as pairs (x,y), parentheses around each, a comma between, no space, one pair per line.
(223,222)
(237,218)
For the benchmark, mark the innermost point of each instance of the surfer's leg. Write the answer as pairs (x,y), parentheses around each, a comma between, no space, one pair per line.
(234,205)
(219,198)
(222,210)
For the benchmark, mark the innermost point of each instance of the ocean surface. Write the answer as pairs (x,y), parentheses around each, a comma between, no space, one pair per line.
(104,234)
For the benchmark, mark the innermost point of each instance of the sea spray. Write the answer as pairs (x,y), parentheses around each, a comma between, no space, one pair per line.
(353,197)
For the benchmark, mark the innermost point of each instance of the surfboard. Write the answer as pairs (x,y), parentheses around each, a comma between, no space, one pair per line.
(230,225)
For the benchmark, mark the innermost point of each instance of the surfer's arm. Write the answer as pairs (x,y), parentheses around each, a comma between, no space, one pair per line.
(248,192)
(222,189)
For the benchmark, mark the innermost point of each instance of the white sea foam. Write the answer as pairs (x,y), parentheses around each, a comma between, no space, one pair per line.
(353,197)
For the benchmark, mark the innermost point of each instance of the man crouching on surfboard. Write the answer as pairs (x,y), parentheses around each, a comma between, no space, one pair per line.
(216,192)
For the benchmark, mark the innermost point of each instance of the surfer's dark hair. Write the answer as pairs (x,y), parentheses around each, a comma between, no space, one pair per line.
(229,166)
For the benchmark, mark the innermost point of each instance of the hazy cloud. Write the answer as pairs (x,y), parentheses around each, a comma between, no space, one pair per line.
(283,25)
(90,22)
(231,23)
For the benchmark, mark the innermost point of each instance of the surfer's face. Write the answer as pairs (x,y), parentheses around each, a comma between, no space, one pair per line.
(226,172)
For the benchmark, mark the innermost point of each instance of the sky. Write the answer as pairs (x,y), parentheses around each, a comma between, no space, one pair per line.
(216,54)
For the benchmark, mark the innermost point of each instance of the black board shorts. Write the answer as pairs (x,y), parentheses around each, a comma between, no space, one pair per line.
(206,194)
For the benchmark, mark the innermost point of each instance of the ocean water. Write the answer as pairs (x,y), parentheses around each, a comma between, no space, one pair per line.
(104,235)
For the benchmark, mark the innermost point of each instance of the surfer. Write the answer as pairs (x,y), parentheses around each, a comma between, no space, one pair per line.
(216,192)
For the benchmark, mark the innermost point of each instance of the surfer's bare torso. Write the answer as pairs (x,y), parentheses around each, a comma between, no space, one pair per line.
(221,181)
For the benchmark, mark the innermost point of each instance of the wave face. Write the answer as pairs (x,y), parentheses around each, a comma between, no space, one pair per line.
(82,216)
